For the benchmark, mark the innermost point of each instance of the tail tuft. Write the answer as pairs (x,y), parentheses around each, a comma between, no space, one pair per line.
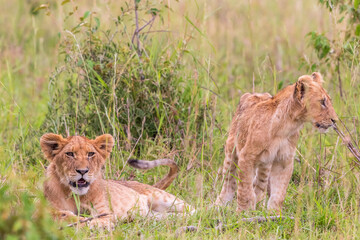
(139,164)
(132,161)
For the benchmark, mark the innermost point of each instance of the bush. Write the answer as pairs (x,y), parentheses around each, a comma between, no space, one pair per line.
(341,51)
(131,87)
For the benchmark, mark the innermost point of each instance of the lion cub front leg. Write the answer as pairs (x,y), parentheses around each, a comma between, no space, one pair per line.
(246,197)
(102,216)
(279,180)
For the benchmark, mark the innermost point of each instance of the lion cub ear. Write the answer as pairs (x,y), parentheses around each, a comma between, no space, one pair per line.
(301,88)
(317,77)
(51,144)
(104,144)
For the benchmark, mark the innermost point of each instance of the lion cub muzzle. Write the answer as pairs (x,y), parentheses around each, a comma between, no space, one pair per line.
(324,127)
(80,184)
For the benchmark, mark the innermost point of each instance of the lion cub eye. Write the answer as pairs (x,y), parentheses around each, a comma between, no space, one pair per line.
(323,102)
(70,154)
(91,154)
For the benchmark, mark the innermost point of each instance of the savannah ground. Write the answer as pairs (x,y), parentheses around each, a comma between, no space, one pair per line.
(198,59)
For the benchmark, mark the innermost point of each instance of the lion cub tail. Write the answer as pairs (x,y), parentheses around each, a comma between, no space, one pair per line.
(166,181)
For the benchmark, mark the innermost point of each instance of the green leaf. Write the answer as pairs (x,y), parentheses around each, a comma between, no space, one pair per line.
(90,63)
(341,19)
(80,63)
(137,1)
(75,28)
(65,2)
(42,6)
(17,225)
(97,20)
(356,3)
(86,14)
(99,78)
(153,11)
(313,67)
(357,30)
(200,32)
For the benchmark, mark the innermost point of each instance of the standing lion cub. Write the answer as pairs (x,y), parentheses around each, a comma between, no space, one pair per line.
(263,137)
(75,169)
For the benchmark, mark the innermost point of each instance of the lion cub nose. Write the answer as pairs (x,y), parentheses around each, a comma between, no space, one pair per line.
(82,171)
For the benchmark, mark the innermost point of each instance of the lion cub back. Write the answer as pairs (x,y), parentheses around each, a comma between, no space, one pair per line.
(248,100)
(240,121)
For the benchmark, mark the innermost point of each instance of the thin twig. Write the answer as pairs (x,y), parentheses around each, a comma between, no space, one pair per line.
(87,219)
(146,24)
(354,141)
(212,92)
(339,78)
(158,31)
(133,149)
(307,163)
(319,165)
(222,227)
(137,141)
(253,83)
(347,141)
(345,173)
(136,33)
(129,137)
(88,78)
(139,29)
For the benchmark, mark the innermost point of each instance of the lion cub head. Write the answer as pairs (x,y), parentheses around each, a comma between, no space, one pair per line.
(78,160)
(315,102)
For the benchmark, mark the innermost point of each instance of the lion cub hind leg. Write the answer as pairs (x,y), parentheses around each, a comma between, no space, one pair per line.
(163,202)
(246,195)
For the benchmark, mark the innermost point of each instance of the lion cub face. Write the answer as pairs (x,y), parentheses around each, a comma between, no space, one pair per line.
(78,160)
(316,101)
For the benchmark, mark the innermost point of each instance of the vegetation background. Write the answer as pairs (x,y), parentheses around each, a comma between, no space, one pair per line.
(169,90)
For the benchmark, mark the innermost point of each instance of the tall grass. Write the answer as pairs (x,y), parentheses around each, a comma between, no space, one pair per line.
(202,55)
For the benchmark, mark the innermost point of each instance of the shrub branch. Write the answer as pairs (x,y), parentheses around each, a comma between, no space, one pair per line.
(87,219)
(349,143)
(222,227)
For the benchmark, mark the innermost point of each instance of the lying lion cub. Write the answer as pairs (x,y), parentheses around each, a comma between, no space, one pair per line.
(75,168)
(263,137)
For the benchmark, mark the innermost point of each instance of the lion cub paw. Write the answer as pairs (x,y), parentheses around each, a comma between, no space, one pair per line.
(64,215)
(101,223)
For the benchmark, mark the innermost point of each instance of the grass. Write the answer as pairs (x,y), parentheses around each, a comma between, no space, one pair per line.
(232,47)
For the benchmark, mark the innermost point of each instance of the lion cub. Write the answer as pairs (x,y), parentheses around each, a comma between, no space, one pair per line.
(262,140)
(75,169)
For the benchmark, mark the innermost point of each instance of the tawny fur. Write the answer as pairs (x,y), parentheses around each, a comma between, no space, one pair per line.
(262,140)
(76,159)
